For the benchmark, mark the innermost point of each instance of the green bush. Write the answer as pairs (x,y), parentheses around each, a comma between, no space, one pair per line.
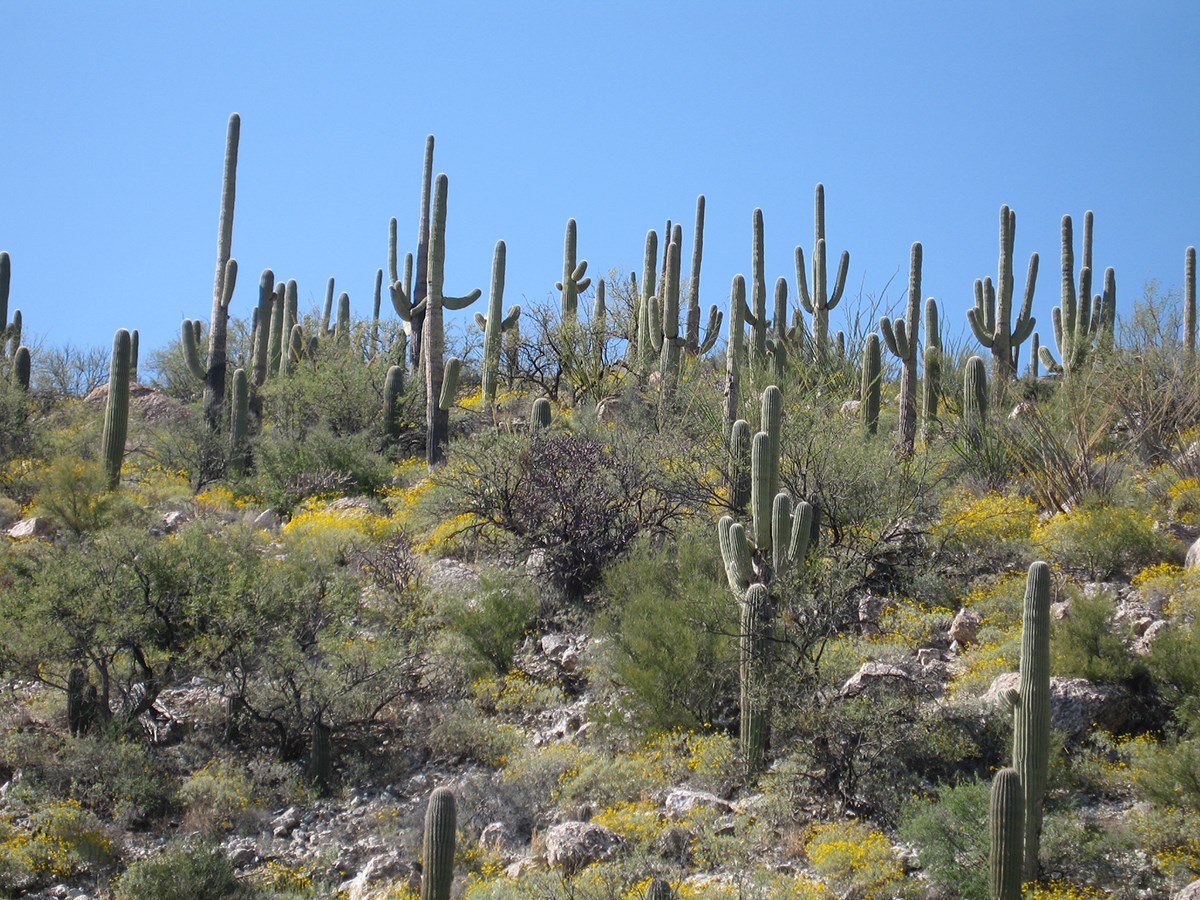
(181,871)
(950,832)
(492,621)
(667,625)
(1102,541)
(1086,644)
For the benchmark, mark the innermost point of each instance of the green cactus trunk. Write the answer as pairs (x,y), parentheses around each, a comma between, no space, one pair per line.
(754,667)
(692,323)
(495,326)
(1006,817)
(931,383)
(573,281)
(214,376)
(989,319)
(739,464)
(735,351)
(902,338)
(437,848)
(757,315)
(539,414)
(320,758)
(645,340)
(1189,302)
(341,331)
(872,382)
(659,889)
(1031,710)
(239,447)
(821,300)
(437,419)
(116,410)
(393,390)
(975,398)
(669,355)
(22,368)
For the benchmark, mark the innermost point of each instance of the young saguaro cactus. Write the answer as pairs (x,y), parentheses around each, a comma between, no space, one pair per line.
(437,417)
(975,398)
(1006,824)
(1080,324)
(1189,301)
(990,316)
(818,303)
(1030,705)
(116,409)
(573,281)
(239,448)
(902,338)
(494,325)
(10,336)
(393,390)
(645,343)
(931,384)
(437,847)
(658,889)
(872,382)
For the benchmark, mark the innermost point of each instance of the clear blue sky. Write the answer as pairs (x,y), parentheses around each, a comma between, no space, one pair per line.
(921,119)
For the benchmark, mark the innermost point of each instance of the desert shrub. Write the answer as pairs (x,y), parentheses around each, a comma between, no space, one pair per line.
(1102,540)
(950,833)
(57,840)
(1170,836)
(216,797)
(854,856)
(1087,644)
(578,499)
(1166,773)
(1174,664)
(289,470)
(74,492)
(667,622)
(986,531)
(181,871)
(492,621)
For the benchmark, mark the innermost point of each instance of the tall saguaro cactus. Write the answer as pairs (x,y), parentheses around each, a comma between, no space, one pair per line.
(990,316)
(872,382)
(902,338)
(756,315)
(10,335)
(437,847)
(931,384)
(438,419)
(821,300)
(573,281)
(1030,705)
(214,374)
(1189,302)
(696,345)
(408,295)
(116,409)
(494,325)
(735,350)
(1080,323)
(780,539)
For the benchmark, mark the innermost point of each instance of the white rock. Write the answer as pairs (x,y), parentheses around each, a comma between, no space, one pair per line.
(681,802)
(573,845)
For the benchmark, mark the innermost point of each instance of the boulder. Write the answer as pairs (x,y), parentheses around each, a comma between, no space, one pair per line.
(449,576)
(33,527)
(682,802)
(964,630)
(873,674)
(1191,892)
(573,845)
(1191,562)
(1077,705)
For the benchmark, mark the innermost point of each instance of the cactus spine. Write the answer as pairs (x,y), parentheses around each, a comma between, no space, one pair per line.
(1006,820)
(494,326)
(1189,302)
(820,301)
(573,281)
(116,409)
(239,449)
(1031,709)
(872,382)
(1080,323)
(437,848)
(931,384)
(437,417)
(989,319)
(902,338)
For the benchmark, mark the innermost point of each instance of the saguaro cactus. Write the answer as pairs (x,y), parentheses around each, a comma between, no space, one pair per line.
(658,889)
(214,373)
(645,343)
(494,326)
(931,384)
(902,338)
(239,448)
(573,281)
(1080,324)
(408,296)
(393,389)
(820,301)
(781,536)
(21,368)
(116,409)
(437,848)
(1030,704)
(735,350)
(539,414)
(696,345)
(1006,823)
(756,315)
(437,418)
(872,382)
(1189,301)
(666,336)
(975,398)
(989,318)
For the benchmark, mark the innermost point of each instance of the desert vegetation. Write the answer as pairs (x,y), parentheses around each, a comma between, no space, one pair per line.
(614,596)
